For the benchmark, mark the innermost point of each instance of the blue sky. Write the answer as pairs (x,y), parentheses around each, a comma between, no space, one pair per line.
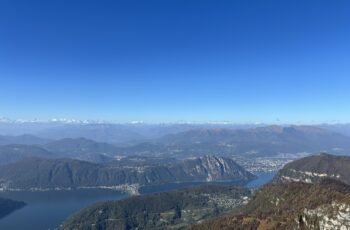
(176,60)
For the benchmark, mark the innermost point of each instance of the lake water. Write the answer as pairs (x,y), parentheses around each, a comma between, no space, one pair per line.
(263,178)
(47,210)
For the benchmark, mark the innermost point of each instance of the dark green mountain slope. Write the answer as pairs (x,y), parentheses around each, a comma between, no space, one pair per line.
(67,173)
(167,210)
(315,168)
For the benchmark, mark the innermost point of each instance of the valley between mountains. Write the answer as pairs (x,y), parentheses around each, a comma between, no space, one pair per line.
(281,204)
(210,167)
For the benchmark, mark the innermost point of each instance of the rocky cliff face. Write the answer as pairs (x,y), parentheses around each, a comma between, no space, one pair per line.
(329,216)
(48,174)
(214,168)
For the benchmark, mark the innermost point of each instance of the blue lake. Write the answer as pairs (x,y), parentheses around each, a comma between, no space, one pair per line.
(263,178)
(47,210)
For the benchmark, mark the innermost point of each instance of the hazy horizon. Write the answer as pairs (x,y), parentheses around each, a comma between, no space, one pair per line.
(175,122)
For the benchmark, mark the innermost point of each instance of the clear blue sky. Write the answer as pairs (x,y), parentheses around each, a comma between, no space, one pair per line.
(197,60)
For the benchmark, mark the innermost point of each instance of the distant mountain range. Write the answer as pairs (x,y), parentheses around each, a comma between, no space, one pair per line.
(100,132)
(343,129)
(82,148)
(128,133)
(24,139)
(49,174)
(262,141)
(114,134)
(79,148)
(257,142)
(13,153)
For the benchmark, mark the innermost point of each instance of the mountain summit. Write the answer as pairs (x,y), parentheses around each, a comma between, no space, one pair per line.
(315,168)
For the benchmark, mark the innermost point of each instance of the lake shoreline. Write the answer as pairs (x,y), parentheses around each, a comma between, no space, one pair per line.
(48,209)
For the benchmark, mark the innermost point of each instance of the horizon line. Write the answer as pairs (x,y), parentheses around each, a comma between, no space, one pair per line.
(179,122)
